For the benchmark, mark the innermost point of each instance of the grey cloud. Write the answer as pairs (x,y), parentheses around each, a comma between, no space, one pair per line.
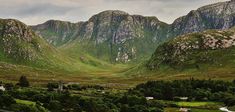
(35,12)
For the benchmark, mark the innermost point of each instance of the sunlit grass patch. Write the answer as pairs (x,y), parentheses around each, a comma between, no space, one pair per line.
(25,102)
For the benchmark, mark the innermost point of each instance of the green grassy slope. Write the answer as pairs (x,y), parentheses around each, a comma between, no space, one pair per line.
(209,54)
(20,46)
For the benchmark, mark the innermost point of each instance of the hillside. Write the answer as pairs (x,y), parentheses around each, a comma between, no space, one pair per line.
(208,54)
(21,46)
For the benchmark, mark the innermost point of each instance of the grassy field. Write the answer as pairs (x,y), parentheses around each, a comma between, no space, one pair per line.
(25,102)
(116,77)
(193,110)
(195,106)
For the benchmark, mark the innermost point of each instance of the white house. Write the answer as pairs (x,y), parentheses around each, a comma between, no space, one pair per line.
(183,98)
(2,88)
(149,98)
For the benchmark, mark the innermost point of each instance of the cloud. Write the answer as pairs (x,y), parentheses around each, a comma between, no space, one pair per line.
(36,12)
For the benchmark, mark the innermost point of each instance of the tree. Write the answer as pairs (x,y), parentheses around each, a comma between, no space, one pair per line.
(23,82)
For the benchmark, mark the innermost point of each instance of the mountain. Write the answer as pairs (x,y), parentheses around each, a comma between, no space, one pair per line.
(209,49)
(116,36)
(110,35)
(19,45)
(215,16)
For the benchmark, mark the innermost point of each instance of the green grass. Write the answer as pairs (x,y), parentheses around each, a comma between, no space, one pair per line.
(195,104)
(192,109)
(25,102)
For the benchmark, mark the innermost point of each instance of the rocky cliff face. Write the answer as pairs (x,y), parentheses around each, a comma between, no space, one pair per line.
(110,35)
(17,41)
(120,32)
(57,32)
(213,47)
(216,16)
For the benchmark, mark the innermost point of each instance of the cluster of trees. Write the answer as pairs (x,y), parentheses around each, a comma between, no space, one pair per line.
(199,90)
(8,102)
(134,100)
(63,102)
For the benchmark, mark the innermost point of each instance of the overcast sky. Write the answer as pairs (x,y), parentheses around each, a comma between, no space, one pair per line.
(38,11)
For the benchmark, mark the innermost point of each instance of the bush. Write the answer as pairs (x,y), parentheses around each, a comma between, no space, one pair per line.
(54,106)
(27,108)
(23,82)
(6,100)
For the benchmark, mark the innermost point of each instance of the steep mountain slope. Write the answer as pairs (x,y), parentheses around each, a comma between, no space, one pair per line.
(17,41)
(215,16)
(209,49)
(110,35)
(21,46)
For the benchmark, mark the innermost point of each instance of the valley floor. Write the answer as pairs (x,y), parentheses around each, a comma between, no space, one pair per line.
(115,77)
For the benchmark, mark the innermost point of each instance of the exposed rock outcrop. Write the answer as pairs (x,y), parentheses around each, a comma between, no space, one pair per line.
(195,49)
(17,41)
(216,16)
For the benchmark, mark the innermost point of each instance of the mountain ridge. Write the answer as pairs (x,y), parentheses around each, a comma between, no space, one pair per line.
(111,35)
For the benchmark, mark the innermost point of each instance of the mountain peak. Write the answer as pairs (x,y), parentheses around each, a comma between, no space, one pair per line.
(115,12)
(108,14)
(215,16)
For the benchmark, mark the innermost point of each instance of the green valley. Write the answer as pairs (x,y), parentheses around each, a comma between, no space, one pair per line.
(115,61)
